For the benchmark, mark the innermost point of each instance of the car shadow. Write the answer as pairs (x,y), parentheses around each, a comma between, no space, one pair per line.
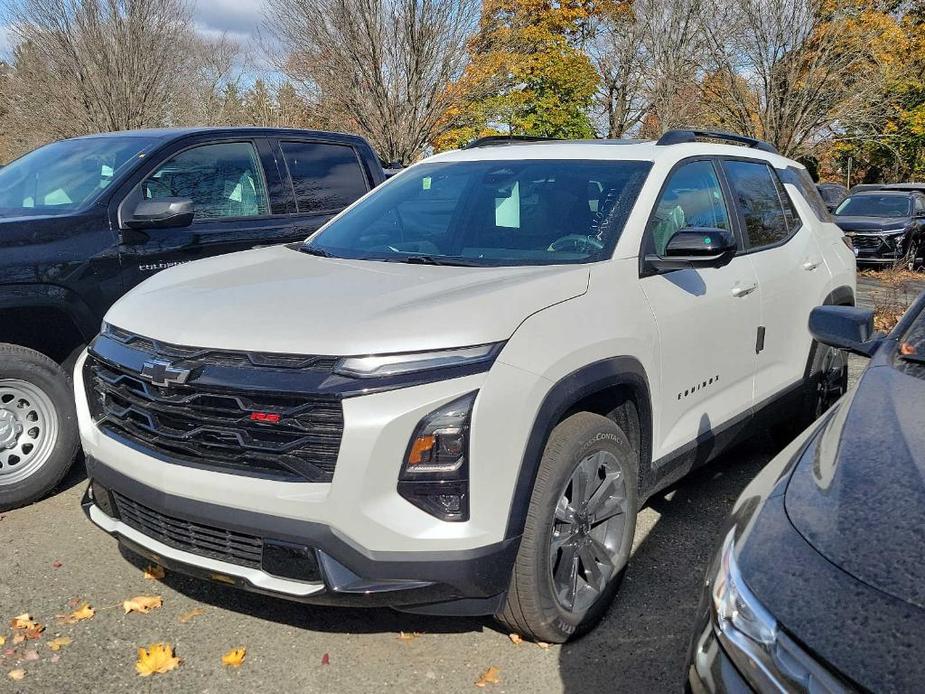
(641,645)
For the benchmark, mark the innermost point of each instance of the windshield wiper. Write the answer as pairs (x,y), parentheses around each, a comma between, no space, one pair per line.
(434,260)
(311,250)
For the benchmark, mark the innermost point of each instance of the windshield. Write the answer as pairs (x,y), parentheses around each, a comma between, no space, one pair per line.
(528,212)
(64,176)
(875,206)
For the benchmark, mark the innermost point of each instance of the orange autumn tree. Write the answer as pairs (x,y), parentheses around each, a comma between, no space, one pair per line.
(527,75)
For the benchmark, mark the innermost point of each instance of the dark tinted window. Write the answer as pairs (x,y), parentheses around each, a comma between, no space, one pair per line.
(802,181)
(527,212)
(756,193)
(692,198)
(790,212)
(325,177)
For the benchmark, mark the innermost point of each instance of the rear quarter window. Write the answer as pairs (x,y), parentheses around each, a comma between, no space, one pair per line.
(803,182)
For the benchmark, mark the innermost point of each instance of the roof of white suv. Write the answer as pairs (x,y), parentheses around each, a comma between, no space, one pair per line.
(639,150)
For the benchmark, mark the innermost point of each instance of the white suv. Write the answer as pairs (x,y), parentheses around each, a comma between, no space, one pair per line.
(454,397)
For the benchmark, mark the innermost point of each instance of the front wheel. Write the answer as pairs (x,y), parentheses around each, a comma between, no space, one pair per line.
(38,425)
(578,534)
(913,257)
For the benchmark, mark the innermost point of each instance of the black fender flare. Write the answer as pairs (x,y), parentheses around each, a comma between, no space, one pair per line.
(39,295)
(562,396)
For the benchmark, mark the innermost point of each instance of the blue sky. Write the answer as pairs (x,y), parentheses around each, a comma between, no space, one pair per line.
(238,18)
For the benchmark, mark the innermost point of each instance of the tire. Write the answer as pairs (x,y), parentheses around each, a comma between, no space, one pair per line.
(913,257)
(537,606)
(826,381)
(38,425)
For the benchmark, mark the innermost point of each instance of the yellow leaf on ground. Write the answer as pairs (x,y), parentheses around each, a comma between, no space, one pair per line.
(16,675)
(234,657)
(187,617)
(59,643)
(157,658)
(18,639)
(154,572)
(142,603)
(2,640)
(543,645)
(23,621)
(516,639)
(491,676)
(408,635)
(80,614)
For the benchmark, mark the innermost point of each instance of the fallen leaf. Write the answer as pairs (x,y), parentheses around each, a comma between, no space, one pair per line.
(142,603)
(34,633)
(491,676)
(9,651)
(73,602)
(516,639)
(543,645)
(154,572)
(408,635)
(59,643)
(23,621)
(16,675)
(325,659)
(56,565)
(55,658)
(157,658)
(18,639)
(234,657)
(2,640)
(30,655)
(187,617)
(80,614)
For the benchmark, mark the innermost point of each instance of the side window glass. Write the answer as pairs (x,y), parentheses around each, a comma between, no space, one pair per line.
(691,198)
(755,191)
(326,177)
(790,212)
(222,180)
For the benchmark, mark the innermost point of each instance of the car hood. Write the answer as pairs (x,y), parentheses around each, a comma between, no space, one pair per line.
(871,224)
(859,500)
(281,300)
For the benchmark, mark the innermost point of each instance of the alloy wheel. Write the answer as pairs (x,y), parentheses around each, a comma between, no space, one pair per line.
(28,429)
(588,532)
(832,381)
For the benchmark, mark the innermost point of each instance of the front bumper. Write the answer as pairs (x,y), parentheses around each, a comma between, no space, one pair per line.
(336,571)
(878,248)
(711,669)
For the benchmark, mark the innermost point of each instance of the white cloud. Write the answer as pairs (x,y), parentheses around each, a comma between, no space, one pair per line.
(240,18)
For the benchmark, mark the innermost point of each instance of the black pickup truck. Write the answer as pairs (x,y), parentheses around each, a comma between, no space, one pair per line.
(84,220)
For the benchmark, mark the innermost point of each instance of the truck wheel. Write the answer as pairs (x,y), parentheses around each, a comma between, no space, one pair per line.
(38,425)
(578,533)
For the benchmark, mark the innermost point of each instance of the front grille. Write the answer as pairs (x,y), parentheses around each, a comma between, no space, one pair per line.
(196,538)
(871,243)
(212,425)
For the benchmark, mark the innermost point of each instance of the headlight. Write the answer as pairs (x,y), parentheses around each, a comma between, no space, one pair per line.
(766,656)
(411,362)
(895,230)
(435,473)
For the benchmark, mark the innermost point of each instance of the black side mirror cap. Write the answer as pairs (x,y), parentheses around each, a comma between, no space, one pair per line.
(695,248)
(161,213)
(845,327)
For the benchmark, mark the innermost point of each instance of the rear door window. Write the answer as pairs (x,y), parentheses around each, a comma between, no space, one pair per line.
(325,177)
(757,192)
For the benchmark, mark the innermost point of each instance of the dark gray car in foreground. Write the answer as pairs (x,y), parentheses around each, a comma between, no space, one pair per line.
(819,584)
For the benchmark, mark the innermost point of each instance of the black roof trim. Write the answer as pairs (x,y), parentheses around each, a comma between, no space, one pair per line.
(495,140)
(677,137)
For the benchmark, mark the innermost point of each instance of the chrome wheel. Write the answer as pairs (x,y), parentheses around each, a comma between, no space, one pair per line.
(28,429)
(912,257)
(588,532)
(832,380)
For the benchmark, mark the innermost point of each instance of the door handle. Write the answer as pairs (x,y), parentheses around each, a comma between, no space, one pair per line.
(810,265)
(743,290)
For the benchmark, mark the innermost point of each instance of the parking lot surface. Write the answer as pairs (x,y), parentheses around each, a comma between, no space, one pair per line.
(52,560)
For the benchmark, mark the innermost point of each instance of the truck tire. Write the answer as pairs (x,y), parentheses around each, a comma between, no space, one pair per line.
(578,532)
(38,425)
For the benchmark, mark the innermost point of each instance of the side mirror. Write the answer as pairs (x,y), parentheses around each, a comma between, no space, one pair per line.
(845,327)
(161,213)
(696,248)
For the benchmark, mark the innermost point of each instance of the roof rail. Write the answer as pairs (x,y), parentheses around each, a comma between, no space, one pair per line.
(676,137)
(494,140)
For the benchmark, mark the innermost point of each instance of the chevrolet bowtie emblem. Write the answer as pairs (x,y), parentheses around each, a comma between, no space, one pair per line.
(163,373)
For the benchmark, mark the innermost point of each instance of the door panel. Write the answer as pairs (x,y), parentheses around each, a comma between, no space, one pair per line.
(707,319)
(791,271)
